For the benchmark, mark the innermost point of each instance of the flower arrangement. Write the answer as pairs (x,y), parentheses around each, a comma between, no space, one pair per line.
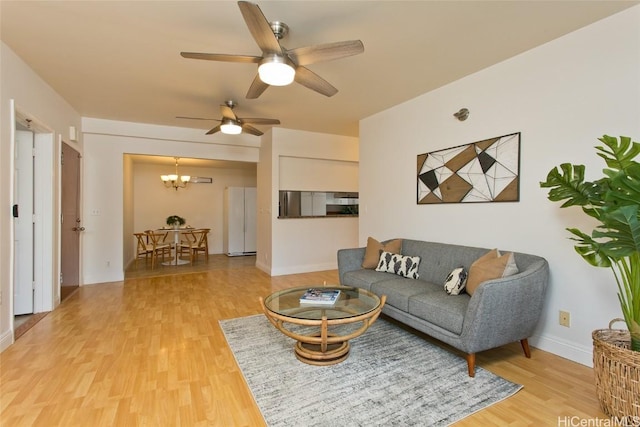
(175,220)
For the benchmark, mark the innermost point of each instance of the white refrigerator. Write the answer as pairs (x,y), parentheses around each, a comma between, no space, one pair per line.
(239,221)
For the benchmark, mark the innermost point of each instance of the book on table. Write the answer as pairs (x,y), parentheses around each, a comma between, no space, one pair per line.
(320,296)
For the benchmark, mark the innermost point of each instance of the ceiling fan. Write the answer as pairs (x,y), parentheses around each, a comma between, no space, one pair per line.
(279,66)
(232,124)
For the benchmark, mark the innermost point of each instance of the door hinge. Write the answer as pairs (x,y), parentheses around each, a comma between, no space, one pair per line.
(61,278)
(33,285)
(33,152)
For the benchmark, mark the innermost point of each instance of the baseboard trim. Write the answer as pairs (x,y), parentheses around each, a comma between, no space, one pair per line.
(563,348)
(6,339)
(297,269)
(263,267)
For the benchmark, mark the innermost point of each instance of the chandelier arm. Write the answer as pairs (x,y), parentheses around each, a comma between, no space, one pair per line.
(175,181)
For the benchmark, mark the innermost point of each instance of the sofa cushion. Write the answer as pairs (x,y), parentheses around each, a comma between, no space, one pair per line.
(440,309)
(439,259)
(375,248)
(404,266)
(398,290)
(491,265)
(363,278)
(456,281)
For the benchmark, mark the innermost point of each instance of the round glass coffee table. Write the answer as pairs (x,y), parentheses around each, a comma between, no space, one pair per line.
(315,327)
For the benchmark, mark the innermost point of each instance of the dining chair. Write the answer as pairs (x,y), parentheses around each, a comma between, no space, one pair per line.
(158,247)
(195,242)
(143,249)
(187,239)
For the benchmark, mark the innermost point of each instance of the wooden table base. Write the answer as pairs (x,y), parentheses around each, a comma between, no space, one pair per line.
(313,354)
(323,348)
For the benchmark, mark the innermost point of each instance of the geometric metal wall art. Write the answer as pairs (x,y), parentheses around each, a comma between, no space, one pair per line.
(483,171)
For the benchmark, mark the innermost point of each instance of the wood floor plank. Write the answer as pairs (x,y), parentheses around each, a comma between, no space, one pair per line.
(150,351)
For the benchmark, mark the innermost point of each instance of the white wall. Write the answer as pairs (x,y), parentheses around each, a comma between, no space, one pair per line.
(561,96)
(34,97)
(264,203)
(201,205)
(302,244)
(104,171)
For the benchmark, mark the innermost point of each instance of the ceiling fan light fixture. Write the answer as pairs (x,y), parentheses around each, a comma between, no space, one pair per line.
(276,70)
(230,127)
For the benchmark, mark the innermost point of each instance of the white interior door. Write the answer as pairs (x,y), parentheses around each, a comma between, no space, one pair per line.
(250,219)
(23,224)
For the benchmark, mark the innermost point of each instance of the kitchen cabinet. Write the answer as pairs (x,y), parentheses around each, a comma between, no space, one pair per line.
(301,204)
(313,203)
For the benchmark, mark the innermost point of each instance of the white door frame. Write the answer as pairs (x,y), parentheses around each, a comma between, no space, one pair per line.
(46,188)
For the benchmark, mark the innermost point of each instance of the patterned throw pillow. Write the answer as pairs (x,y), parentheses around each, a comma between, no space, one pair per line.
(406,266)
(456,281)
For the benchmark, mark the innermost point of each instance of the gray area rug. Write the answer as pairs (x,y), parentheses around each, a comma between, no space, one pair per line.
(391,378)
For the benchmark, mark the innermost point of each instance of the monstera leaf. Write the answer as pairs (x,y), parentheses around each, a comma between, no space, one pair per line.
(614,201)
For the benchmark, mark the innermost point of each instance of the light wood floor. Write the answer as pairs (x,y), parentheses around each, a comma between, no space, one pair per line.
(149,352)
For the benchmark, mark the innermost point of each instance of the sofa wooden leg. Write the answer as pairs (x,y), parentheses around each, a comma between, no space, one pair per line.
(471,364)
(525,346)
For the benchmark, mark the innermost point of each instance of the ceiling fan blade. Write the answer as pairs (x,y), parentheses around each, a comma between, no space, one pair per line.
(325,52)
(228,113)
(222,57)
(259,27)
(214,130)
(251,130)
(308,78)
(195,118)
(257,87)
(259,121)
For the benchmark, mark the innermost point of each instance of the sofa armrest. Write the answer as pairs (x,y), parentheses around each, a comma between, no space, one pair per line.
(349,260)
(505,310)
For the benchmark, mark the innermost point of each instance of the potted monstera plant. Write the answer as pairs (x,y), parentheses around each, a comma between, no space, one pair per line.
(613,201)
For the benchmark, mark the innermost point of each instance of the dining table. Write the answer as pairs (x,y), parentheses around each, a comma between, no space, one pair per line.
(176,243)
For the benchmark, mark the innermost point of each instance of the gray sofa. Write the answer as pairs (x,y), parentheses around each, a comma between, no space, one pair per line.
(499,312)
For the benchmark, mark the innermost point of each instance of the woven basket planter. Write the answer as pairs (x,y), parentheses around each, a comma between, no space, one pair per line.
(617,372)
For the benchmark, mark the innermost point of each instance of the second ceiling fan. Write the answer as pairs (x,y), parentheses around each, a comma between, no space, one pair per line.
(232,124)
(279,66)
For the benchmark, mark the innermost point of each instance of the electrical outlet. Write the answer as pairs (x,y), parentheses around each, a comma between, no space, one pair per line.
(565,318)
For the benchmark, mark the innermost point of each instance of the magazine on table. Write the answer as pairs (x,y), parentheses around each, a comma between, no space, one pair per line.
(320,296)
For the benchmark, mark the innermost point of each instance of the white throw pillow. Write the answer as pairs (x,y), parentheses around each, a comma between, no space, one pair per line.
(456,281)
(406,266)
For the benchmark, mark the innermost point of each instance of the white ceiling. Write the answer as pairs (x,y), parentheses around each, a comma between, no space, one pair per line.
(120,60)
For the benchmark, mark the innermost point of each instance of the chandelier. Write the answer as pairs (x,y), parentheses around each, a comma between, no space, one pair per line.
(174,180)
